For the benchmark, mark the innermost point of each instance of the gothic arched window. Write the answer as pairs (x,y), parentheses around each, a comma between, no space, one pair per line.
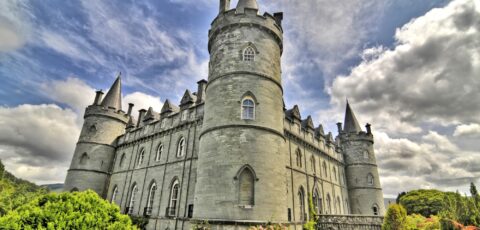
(301,202)
(246,187)
(83,159)
(181,147)
(312,163)
(365,154)
(370,179)
(141,156)
(159,152)
(122,161)
(317,201)
(339,205)
(325,171)
(335,173)
(114,194)
(151,197)
(329,205)
(248,109)
(133,196)
(299,158)
(249,54)
(173,204)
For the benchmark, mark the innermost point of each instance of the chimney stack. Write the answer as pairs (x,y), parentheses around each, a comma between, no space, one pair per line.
(202,85)
(369,128)
(98,98)
(224,6)
(141,114)
(130,108)
(339,127)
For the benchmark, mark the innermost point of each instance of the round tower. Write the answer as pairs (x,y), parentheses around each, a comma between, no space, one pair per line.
(364,189)
(104,121)
(240,173)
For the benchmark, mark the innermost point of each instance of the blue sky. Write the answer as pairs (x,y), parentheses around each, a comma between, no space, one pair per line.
(409,67)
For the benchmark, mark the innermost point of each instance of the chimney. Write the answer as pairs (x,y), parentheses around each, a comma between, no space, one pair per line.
(130,108)
(141,114)
(98,98)
(202,85)
(369,128)
(339,127)
(224,6)
(278,17)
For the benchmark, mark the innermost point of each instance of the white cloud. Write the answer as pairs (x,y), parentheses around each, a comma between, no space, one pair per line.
(72,91)
(14,25)
(467,130)
(142,101)
(36,137)
(430,76)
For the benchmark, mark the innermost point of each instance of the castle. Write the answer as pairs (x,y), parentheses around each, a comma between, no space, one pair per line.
(230,154)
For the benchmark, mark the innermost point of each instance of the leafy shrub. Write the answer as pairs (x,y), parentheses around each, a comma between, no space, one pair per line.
(78,210)
(395,219)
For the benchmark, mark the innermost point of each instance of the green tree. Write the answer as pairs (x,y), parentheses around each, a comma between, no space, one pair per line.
(78,210)
(400,196)
(424,202)
(396,218)
(474,193)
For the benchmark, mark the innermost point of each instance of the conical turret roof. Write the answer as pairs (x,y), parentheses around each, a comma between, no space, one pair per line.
(113,99)
(351,124)
(251,4)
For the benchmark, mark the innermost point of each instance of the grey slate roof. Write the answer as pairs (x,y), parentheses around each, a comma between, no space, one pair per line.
(351,124)
(113,99)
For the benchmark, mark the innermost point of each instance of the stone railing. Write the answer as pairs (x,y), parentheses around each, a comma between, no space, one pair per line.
(349,222)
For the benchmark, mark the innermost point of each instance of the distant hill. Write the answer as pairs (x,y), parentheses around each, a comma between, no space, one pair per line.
(57,188)
(17,182)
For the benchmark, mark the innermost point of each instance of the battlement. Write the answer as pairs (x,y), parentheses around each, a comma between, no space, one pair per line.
(95,110)
(360,136)
(250,17)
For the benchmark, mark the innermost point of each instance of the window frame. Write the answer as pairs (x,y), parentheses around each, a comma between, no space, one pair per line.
(181,146)
(370,179)
(150,198)
(174,190)
(114,194)
(248,54)
(141,157)
(158,153)
(131,203)
(248,111)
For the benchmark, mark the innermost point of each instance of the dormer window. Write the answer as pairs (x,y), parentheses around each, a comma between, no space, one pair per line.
(184,115)
(249,54)
(248,109)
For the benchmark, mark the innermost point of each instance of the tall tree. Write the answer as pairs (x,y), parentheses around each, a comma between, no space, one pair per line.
(396,218)
(474,193)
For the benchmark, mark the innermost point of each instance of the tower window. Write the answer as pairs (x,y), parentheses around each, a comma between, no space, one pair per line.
(246,187)
(249,54)
(83,159)
(365,155)
(159,152)
(248,109)
(181,147)
(141,156)
(375,210)
(370,179)
(172,208)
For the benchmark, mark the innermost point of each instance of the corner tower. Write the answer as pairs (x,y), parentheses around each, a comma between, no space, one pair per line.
(240,175)
(364,189)
(104,121)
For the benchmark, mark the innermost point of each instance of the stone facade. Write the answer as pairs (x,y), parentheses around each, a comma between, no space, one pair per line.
(230,154)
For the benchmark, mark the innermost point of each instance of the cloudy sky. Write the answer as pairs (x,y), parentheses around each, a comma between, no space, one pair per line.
(409,67)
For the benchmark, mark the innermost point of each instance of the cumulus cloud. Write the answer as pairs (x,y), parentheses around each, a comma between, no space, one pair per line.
(142,101)
(35,137)
(431,162)
(430,76)
(467,130)
(72,91)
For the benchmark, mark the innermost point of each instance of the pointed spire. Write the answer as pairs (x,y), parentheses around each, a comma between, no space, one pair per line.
(113,99)
(351,124)
(250,4)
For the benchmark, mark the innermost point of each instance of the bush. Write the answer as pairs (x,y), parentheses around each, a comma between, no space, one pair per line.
(78,210)
(395,219)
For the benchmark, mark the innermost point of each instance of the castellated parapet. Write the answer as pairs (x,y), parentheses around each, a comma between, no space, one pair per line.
(229,154)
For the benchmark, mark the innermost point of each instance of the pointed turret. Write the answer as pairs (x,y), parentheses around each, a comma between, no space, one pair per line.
(250,4)
(113,99)
(351,124)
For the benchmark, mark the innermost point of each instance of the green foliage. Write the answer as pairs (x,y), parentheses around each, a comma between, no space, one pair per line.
(400,196)
(396,218)
(310,225)
(15,192)
(78,210)
(419,222)
(423,202)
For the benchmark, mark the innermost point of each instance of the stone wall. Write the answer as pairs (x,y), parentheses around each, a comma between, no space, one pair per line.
(350,222)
